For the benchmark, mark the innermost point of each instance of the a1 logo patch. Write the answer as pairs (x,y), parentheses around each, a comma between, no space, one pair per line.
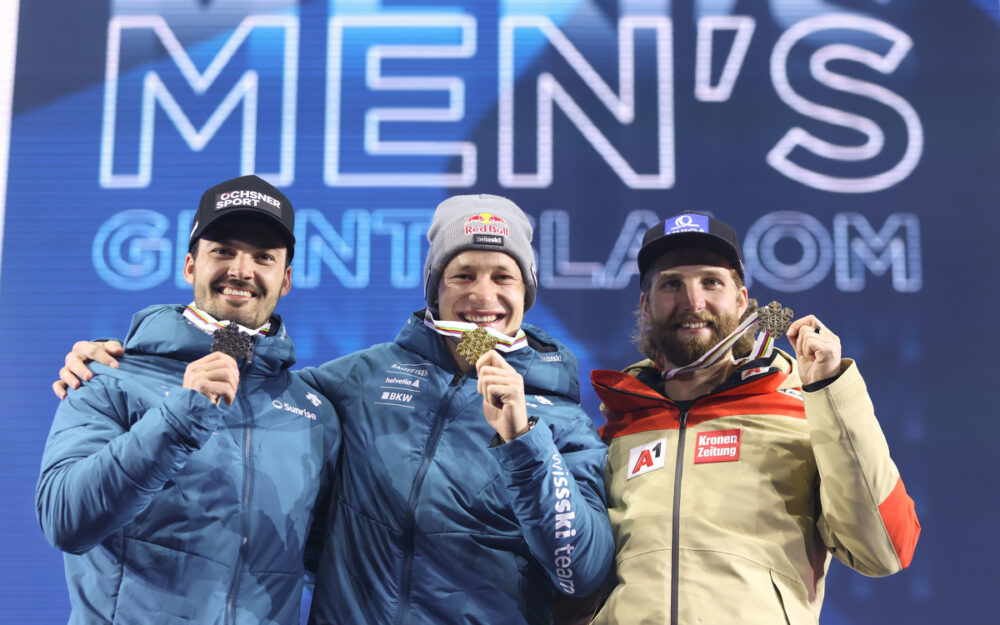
(717,446)
(646,458)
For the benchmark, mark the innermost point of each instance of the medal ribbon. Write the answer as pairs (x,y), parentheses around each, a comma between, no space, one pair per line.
(454,329)
(762,348)
(209,324)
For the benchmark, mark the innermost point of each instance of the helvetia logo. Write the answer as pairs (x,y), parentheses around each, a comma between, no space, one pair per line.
(403,381)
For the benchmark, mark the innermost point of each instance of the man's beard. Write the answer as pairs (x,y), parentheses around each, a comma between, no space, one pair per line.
(658,339)
(252,315)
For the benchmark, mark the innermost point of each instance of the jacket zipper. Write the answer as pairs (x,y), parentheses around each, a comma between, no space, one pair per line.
(409,532)
(245,497)
(675,538)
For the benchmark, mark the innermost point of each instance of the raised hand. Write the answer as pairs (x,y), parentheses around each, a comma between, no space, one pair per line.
(502,389)
(817,349)
(215,376)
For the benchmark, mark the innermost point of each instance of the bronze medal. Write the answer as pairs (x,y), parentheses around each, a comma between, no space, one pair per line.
(775,319)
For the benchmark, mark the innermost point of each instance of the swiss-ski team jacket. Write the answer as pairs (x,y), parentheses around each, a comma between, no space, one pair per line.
(429,524)
(726,508)
(174,510)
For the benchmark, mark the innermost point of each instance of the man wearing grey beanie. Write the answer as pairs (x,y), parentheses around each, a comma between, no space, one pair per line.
(471,486)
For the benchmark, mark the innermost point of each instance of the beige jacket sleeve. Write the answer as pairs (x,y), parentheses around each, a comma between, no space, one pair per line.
(866,519)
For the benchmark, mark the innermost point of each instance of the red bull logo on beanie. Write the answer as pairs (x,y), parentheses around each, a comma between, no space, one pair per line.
(486,223)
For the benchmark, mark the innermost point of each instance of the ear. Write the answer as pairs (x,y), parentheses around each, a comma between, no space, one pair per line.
(743,301)
(644,305)
(189,268)
(286,283)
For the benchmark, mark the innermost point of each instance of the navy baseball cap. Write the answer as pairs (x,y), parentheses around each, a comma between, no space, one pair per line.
(249,195)
(690,230)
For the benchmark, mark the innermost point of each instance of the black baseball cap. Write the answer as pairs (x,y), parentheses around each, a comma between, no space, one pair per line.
(690,230)
(251,196)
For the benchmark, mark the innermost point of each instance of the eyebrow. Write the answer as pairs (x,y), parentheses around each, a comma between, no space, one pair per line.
(266,246)
(707,271)
(502,267)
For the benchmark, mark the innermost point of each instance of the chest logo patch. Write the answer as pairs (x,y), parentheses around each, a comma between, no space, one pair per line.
(791,392)
(646,458)
(749,373)
(717,446)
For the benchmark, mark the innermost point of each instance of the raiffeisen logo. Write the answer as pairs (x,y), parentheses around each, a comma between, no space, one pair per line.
(486,223)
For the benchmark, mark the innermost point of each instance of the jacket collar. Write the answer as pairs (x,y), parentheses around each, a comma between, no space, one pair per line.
(644,378)
(546,364)
(163,331)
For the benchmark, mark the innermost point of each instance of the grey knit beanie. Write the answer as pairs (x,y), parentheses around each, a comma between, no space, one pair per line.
(479,222)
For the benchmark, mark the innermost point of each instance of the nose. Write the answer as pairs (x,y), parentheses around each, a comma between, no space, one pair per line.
(483,291)
(241,267)
(693,296)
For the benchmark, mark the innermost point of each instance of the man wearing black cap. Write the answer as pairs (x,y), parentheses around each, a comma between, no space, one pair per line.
(735,470)
(182,483)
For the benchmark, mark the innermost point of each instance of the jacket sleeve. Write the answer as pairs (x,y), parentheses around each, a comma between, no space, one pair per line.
(554,475)
(328,378)
(98,473)
(867,520)
(322,514)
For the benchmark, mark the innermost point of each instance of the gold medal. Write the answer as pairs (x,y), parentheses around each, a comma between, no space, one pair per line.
(474,344)
(774,319)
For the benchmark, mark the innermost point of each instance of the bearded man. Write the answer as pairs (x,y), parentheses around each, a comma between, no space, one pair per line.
(735,471)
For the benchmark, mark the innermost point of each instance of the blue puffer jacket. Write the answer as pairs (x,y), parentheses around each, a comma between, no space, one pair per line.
(431,525)
(173,510)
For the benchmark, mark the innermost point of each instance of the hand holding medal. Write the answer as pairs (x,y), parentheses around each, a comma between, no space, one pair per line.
(216,375)
(500,385)
(817,349)
(502,389)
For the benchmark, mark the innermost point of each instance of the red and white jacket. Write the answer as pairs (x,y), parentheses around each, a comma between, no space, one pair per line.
(727,508)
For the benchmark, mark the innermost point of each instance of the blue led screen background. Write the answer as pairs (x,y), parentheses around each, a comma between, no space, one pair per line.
(855,146)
